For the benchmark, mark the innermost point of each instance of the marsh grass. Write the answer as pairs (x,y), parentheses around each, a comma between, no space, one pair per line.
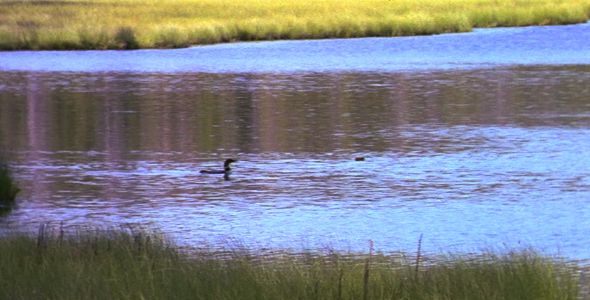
(131,24)
(128,263)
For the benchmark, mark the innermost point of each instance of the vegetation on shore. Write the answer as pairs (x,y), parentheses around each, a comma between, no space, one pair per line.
(8,188)
(127,263)
(132,24)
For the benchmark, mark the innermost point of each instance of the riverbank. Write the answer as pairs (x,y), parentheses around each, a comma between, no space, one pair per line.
(127,263)
(130,24)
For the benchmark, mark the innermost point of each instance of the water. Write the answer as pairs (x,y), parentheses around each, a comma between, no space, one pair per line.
(474,140)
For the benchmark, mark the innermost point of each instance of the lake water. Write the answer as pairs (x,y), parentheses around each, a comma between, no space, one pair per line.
(477,141)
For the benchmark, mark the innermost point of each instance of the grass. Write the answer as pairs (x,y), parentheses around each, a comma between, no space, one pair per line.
(132,24)
(8,188)
(127,263)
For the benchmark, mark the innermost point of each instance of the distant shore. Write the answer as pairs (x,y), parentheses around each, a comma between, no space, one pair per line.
(131,24)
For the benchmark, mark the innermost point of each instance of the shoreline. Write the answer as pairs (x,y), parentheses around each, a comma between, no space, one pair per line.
(57,263)
(125,47)
(128,25)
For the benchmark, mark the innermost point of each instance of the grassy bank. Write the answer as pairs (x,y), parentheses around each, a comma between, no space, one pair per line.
(131,264)
(131,24)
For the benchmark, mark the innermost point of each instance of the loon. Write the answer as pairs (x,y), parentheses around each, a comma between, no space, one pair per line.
(226,168)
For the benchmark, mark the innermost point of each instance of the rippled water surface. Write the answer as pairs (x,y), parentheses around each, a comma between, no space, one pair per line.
(476,140)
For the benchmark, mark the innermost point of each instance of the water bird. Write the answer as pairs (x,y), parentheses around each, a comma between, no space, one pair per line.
(226,168)
(359,159)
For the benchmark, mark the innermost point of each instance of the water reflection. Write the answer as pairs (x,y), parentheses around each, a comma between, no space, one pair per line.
(467,157)
(321,112)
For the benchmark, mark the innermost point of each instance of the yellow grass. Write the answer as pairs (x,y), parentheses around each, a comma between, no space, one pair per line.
(114,24)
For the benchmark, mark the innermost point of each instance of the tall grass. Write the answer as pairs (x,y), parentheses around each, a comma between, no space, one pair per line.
(129,24)
(127,263)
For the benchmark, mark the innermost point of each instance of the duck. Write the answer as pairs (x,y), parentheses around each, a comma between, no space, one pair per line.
(226,168)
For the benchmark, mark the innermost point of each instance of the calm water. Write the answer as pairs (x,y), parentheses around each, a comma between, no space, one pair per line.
(475,140)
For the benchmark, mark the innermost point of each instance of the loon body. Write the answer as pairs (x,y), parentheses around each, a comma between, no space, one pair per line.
(226,168)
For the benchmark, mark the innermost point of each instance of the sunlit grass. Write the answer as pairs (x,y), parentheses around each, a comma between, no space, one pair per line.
(127,263)
(99,24)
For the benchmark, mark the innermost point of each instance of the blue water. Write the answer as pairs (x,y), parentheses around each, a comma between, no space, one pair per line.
(475,141)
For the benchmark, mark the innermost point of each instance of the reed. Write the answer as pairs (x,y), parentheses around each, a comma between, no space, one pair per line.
(129,24)
(127,263)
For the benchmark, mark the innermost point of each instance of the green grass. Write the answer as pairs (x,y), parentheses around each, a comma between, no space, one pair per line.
(8,188)
(131,24)
(133,264)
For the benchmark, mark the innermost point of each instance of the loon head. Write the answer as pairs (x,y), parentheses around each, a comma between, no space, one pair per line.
(228,162)
(226,165)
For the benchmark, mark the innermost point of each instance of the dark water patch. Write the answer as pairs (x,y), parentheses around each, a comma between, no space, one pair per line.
(316,113)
